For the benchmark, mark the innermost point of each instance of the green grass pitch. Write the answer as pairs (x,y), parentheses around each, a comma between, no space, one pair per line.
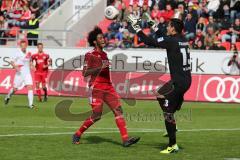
(207,131)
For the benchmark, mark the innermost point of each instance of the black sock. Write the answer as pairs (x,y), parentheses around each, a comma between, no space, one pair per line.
(45,91)
(171,130)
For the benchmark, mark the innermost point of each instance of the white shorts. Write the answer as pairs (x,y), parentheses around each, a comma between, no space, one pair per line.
(22,79)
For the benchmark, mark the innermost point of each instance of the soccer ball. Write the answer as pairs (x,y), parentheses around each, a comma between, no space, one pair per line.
(111,12)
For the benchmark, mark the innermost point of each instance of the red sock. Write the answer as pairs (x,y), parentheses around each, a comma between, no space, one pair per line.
(87,123)
(39,94)
(121,124)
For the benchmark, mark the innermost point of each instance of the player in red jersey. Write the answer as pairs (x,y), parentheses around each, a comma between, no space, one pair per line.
(42,62)
(96,65)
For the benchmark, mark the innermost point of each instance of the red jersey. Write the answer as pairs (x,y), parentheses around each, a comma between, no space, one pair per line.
(95,59)
(42,62)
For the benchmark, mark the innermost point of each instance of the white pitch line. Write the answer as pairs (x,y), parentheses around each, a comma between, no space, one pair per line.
(115,129)
(103,132)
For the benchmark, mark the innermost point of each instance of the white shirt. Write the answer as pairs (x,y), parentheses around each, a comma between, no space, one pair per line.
(234,70)
(22,60)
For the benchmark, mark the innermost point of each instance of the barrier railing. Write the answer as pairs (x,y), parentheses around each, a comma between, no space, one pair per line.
(21,34)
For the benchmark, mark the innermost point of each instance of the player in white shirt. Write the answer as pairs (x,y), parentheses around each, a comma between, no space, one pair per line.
(22,63)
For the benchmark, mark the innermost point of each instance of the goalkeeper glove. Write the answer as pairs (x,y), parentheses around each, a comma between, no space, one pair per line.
(134,21)
(152,23)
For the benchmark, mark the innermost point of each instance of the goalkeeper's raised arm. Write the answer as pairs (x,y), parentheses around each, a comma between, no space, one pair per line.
(161,42)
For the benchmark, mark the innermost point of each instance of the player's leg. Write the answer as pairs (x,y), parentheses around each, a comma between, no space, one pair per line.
(111,98)
(97,107)
(161,92)
(37,79)
(29,85)
(175,100)
(9,95)
(44,87)
(30,97)
(96,116)
(38,91)
(17,83)
(170,124)
(168,100)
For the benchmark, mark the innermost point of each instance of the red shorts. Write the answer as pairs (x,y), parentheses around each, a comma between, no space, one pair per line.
(103,93)
(40,77)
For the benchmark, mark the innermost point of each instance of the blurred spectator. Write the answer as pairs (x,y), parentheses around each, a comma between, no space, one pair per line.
(123,13)
(35,6)
(136,11)
(225,23)
(164,3)
(199,37)
(167,13)
(192,11)
(234,32)
(182,10)
(26,14)
(123,27)
(202,9)
(155,12)
(127,39)
(201,24)
(18,14)
(152,3)
(6,5)
(46,4)
(234,62)
(113,30)
(234,6)
(223,10)
(190,27)
(204,20)
(210,38)
(20,17)
(226,11)
(145,14)
(32,34)
(3,30)
(199,45)
(212,23)
(162,26)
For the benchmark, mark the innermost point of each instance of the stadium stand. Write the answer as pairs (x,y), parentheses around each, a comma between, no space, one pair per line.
(206,26)
(219,22)
(20,18)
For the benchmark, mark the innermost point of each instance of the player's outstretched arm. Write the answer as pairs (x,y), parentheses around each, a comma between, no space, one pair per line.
(14,65)
(148,40)
(134,22)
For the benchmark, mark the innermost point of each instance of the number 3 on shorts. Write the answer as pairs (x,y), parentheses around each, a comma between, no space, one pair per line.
(166,103)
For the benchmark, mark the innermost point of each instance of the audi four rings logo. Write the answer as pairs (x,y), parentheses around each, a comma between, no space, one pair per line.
(222,89)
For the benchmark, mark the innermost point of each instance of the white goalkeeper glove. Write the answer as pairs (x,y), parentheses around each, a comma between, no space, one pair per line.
(152,23)
(134,21)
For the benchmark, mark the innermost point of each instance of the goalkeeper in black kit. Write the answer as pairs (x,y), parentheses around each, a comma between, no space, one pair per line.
(171,95)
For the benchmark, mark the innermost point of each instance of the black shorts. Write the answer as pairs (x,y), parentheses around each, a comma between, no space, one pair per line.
(174,97)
